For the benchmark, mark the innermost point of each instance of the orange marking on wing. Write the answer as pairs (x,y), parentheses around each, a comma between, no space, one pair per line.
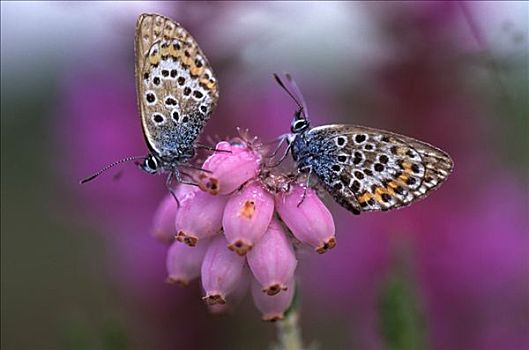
(392,185)
(196,71)
(186,59)
(173,51)
(208,84)
(403,177)
(379,191)
(155,59)
(406,172)
(365,197)
(179,55)
(165,50)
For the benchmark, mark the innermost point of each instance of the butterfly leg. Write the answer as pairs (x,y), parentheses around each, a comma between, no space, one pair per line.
(196,168)
(282,157)
(178,173)
(282,140)
(168,184)
(306,187)
(213,149)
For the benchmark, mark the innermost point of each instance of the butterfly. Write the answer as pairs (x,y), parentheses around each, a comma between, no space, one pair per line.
(365,169)
(177,92)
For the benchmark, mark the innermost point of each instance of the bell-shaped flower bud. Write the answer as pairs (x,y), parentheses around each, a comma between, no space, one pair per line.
(199,216)
(163,224)
(230,167)
(273,307)
(221,271)
(273,260)
(235,297)
(308,218)
(184,263)
(247,216)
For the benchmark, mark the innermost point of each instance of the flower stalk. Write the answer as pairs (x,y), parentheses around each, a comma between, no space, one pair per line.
(289,330)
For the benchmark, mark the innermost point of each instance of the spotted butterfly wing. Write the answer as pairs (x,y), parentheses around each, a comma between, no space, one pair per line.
(366,169)
(177,89)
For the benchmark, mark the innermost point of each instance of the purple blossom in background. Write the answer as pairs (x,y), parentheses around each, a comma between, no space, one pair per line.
(466,246)
(117,264)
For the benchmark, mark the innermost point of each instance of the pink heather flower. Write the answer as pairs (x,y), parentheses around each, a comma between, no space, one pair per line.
(310,222)
(273,261)
(163,227)
(231,224)
(184,262)
(230,168)
(163,223)
(221,271)
(247,216)
(272,307)
(234,298)
(199,216)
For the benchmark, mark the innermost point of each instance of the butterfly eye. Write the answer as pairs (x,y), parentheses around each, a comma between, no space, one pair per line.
(150,165)
(299,125)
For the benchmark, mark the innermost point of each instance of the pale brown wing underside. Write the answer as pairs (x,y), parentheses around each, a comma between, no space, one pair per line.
(176,86)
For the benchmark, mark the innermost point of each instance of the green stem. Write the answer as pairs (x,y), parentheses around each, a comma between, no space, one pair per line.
(288,329)
(289,333)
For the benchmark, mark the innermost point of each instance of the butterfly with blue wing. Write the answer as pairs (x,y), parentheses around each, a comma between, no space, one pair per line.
(364,169)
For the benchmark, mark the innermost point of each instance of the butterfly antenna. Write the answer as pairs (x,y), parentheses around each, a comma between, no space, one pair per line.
(297,92)
(280,82)
(124,160)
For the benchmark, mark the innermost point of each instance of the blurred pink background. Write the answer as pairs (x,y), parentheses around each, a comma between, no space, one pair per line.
(79,267)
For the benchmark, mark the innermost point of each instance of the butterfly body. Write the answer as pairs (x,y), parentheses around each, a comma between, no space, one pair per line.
(367,169)
(177,91)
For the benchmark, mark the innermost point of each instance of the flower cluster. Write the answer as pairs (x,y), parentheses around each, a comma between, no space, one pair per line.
(240,219)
